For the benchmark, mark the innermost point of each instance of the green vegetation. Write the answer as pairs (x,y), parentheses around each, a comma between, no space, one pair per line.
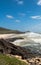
(6,60)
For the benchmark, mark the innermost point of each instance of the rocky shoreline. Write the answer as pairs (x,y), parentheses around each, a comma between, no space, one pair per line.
(17,51)
(9,48)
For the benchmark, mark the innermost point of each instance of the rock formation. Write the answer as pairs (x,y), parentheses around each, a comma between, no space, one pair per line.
(9,48)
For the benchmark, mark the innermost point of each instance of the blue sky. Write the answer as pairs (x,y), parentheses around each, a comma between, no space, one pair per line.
(21,15)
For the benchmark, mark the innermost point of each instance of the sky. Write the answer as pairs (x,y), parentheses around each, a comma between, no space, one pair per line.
(23,15)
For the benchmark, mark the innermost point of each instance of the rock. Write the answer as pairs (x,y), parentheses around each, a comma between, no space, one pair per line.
(9,48)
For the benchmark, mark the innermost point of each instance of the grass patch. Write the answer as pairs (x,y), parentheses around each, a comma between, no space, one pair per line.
(6,60)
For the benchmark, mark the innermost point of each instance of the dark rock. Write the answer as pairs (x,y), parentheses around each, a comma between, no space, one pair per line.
(13,39)
(9,48)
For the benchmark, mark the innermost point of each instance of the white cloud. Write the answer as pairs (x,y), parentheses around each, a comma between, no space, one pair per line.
(22,14)
(17,20)
(35,17)
(19,2)
(9,16)
(39,2)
